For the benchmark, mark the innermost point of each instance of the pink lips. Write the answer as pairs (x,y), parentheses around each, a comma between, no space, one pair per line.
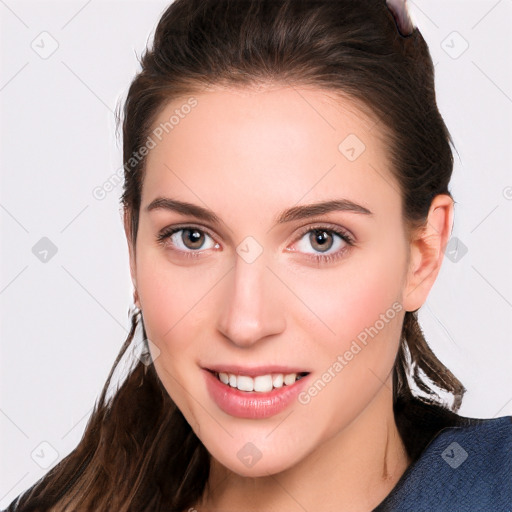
(253,405)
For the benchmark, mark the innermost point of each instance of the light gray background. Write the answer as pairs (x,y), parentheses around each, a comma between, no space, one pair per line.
(64,320)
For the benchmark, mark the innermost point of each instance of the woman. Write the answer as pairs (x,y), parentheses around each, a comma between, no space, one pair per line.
(286,210)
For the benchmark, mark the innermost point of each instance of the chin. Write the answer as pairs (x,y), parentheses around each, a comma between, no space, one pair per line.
(255,454)
(271,466)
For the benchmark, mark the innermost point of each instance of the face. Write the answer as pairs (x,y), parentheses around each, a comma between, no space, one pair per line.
(237,274)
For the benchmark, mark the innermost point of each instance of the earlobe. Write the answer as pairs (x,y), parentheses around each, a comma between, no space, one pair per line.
(427,252)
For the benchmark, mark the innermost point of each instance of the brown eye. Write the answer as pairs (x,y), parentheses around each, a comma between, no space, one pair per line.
(192,238)
(321,240)
(324,244)
(188,240)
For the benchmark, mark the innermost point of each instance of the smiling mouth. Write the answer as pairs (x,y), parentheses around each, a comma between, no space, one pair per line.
(260,383)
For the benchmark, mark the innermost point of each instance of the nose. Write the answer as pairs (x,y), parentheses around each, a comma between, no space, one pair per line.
(251,309)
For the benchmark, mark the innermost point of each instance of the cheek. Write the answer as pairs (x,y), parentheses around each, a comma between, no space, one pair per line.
(169,293)
(168,307)
(356,294)
(361,304)
(169,300)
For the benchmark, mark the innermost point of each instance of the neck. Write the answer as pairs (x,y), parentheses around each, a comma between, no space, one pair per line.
(354,470)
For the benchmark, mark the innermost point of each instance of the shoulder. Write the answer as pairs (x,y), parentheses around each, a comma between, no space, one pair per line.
(465,467)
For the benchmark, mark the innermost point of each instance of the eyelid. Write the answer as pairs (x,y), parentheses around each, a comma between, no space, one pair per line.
(328,226)
(166,231)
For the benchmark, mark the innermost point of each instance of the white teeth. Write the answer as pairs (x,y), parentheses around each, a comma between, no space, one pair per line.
(278,380)
(290,379)
(261,383)
(244,383)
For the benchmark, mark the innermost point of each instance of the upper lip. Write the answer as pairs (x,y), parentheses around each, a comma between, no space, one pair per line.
(254,371)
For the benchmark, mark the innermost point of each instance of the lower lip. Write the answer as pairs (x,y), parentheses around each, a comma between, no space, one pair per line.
(253,405)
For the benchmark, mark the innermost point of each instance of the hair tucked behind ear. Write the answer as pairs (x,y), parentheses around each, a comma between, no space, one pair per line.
(138,453)
(419,419)
(422,359)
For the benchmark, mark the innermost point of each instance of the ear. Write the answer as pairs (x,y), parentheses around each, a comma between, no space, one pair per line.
(427,252)
(127,231)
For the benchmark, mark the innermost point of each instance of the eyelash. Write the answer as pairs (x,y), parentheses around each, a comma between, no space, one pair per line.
(328,258)
(166,233)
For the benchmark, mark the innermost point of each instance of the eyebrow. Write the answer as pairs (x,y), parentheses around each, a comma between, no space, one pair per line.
(291,214)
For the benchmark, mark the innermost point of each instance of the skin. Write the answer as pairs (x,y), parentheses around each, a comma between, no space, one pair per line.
(247,155)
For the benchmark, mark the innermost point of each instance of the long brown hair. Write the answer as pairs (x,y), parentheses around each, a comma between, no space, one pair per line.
(138,453)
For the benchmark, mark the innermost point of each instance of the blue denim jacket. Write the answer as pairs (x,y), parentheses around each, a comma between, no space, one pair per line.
(463,469)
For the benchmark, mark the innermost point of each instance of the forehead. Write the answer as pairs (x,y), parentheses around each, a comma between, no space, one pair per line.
(283,144)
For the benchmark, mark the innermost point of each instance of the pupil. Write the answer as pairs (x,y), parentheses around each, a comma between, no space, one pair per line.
(321,238)
(195,237)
